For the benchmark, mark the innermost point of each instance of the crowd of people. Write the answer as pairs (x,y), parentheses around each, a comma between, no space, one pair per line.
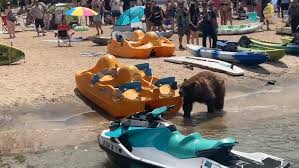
(186,17)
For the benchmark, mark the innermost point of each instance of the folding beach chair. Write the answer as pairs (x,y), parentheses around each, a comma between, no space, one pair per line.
(4,24)
(64,35)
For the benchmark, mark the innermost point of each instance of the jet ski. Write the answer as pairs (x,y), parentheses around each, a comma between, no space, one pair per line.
(145,139)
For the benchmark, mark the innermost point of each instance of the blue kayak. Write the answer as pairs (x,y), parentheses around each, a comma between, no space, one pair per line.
(244,57)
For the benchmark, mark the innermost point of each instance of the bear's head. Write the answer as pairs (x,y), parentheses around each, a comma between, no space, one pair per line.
(187,90)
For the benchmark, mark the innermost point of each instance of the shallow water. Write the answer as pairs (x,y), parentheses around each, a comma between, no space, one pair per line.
(265,121)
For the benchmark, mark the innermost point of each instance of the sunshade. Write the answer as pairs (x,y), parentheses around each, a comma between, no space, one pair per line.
(81,11)
(131,15)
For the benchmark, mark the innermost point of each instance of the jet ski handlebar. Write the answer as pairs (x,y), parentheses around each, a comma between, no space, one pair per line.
(144,119)
(156,113)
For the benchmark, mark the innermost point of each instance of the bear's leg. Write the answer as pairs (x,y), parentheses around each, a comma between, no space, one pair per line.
(219,100)
(219,103)
(211,106)
(187,107)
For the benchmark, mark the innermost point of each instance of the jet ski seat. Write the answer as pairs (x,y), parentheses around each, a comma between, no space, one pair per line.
(190,146)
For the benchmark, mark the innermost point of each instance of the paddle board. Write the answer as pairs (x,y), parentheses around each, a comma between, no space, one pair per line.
(207,63)
(10,55)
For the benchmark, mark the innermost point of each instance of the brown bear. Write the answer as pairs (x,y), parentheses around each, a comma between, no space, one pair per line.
(205,87)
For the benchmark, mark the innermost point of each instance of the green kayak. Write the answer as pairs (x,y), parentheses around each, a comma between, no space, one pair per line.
(275,54)
(289,48)
(10,55)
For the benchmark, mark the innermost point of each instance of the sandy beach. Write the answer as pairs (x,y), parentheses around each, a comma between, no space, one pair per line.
(47,75)
(44,82)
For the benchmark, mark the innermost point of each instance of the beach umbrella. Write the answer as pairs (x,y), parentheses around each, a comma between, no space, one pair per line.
(80,11)
(130,16)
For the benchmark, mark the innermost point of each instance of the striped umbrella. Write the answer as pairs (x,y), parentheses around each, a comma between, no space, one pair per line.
(80,11)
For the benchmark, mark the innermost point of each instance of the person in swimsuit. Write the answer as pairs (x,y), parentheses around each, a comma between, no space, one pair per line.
(225,12)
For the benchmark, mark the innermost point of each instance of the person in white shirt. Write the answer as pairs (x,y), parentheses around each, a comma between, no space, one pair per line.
(116,6)
(39,15)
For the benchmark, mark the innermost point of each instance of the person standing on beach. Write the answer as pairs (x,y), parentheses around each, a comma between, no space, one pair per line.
(11,24)
(38,14)
(147,14)
(99,8)
(284,6)
(183,23)
(263,6)
(225,12)
(115,9)
(84,4)
(170,12)
(209,25)
(278,6)
(157,17)
(194,20)
(294,16)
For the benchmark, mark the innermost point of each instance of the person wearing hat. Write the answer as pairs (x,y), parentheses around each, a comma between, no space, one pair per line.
(209,25)
(182,17)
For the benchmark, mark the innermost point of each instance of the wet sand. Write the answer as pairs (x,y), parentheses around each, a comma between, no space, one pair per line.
(44,122)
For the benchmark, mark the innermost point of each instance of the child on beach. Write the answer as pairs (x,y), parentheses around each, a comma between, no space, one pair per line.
(47,18)
(209,25)
(29,18)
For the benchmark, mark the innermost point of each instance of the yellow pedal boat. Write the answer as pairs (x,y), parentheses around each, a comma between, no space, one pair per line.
(146,45)
(122,90)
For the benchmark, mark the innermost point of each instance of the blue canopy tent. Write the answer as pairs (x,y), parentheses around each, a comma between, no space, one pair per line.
(130,19)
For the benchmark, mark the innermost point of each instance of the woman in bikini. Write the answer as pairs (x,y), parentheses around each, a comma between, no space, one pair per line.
(225,12)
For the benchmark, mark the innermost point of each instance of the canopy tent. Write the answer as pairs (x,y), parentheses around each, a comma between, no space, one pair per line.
(130,19)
